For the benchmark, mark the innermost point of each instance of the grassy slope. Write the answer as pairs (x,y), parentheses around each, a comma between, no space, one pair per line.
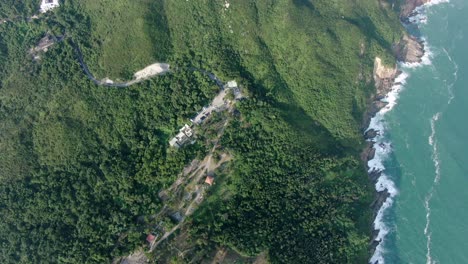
(14,8)
(127,36)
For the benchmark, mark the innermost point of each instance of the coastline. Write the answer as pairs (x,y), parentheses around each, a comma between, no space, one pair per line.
(411,51)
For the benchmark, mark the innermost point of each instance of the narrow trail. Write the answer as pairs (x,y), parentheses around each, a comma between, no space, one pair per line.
(106,83)
(91,77)
(203,168)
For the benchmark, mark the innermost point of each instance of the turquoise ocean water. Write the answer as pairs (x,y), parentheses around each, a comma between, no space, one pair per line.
(424,148)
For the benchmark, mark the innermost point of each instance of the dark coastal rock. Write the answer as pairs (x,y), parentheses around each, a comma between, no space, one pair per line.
(371,133)
(409,49)
(371,154)
(368,153)
(381,197)
(373,245)
(374,175)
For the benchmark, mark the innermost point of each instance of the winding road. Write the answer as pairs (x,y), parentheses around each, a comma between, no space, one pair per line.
(91,77)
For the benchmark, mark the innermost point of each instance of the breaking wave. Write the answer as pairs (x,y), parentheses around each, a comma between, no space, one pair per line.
(383,146)
(420,13)
(382,150)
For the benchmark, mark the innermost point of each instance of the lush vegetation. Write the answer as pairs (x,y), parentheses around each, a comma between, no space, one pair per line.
(297,196)
(13,8)
(81,165)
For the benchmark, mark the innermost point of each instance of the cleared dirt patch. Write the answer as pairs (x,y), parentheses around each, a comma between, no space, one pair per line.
(152,70)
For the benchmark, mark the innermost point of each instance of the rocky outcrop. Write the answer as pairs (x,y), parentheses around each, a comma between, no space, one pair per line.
(369,152)
(384,78)
(371,133)
(409,49)
(407,7)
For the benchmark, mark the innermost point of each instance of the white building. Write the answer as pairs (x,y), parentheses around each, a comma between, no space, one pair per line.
(184,136)
(235,89)
(231,84)
(47,5)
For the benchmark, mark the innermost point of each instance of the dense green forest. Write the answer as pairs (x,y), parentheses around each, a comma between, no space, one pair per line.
(81,165)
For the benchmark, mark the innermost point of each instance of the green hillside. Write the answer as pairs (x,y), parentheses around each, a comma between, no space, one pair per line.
(81,165)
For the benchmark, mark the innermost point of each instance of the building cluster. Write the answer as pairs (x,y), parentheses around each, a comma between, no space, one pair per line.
(183,137)
(219,103)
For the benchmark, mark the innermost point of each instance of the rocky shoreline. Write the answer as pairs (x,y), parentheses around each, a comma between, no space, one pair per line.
(409,49)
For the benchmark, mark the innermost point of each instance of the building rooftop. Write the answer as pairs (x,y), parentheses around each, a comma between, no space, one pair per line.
(209,180)
(183,137)
(150,238)
(47,5)
(231,84)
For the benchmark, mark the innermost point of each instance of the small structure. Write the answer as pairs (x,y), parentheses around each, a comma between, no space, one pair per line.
(45,42)
(219,103)
(209,180)
(150,238)
(200,117)
(184,136)
(231,84)
(235,89)
(188,196)
(47,5)
(176,217)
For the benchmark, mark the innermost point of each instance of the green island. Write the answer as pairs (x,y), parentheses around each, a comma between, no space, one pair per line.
(87,174)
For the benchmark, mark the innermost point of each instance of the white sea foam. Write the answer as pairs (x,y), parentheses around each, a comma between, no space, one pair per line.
(420,13)
(436,2)
(455,77)
(383,148)
(435,158)
(425,59)
(379,223)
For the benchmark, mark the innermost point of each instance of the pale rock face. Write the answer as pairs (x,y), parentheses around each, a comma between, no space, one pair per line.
(384,77)
(409,49)
(151,70)
(382,72)
(47,5)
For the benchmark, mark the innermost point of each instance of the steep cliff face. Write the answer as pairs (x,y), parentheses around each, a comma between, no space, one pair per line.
(383,77)
(409,49)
